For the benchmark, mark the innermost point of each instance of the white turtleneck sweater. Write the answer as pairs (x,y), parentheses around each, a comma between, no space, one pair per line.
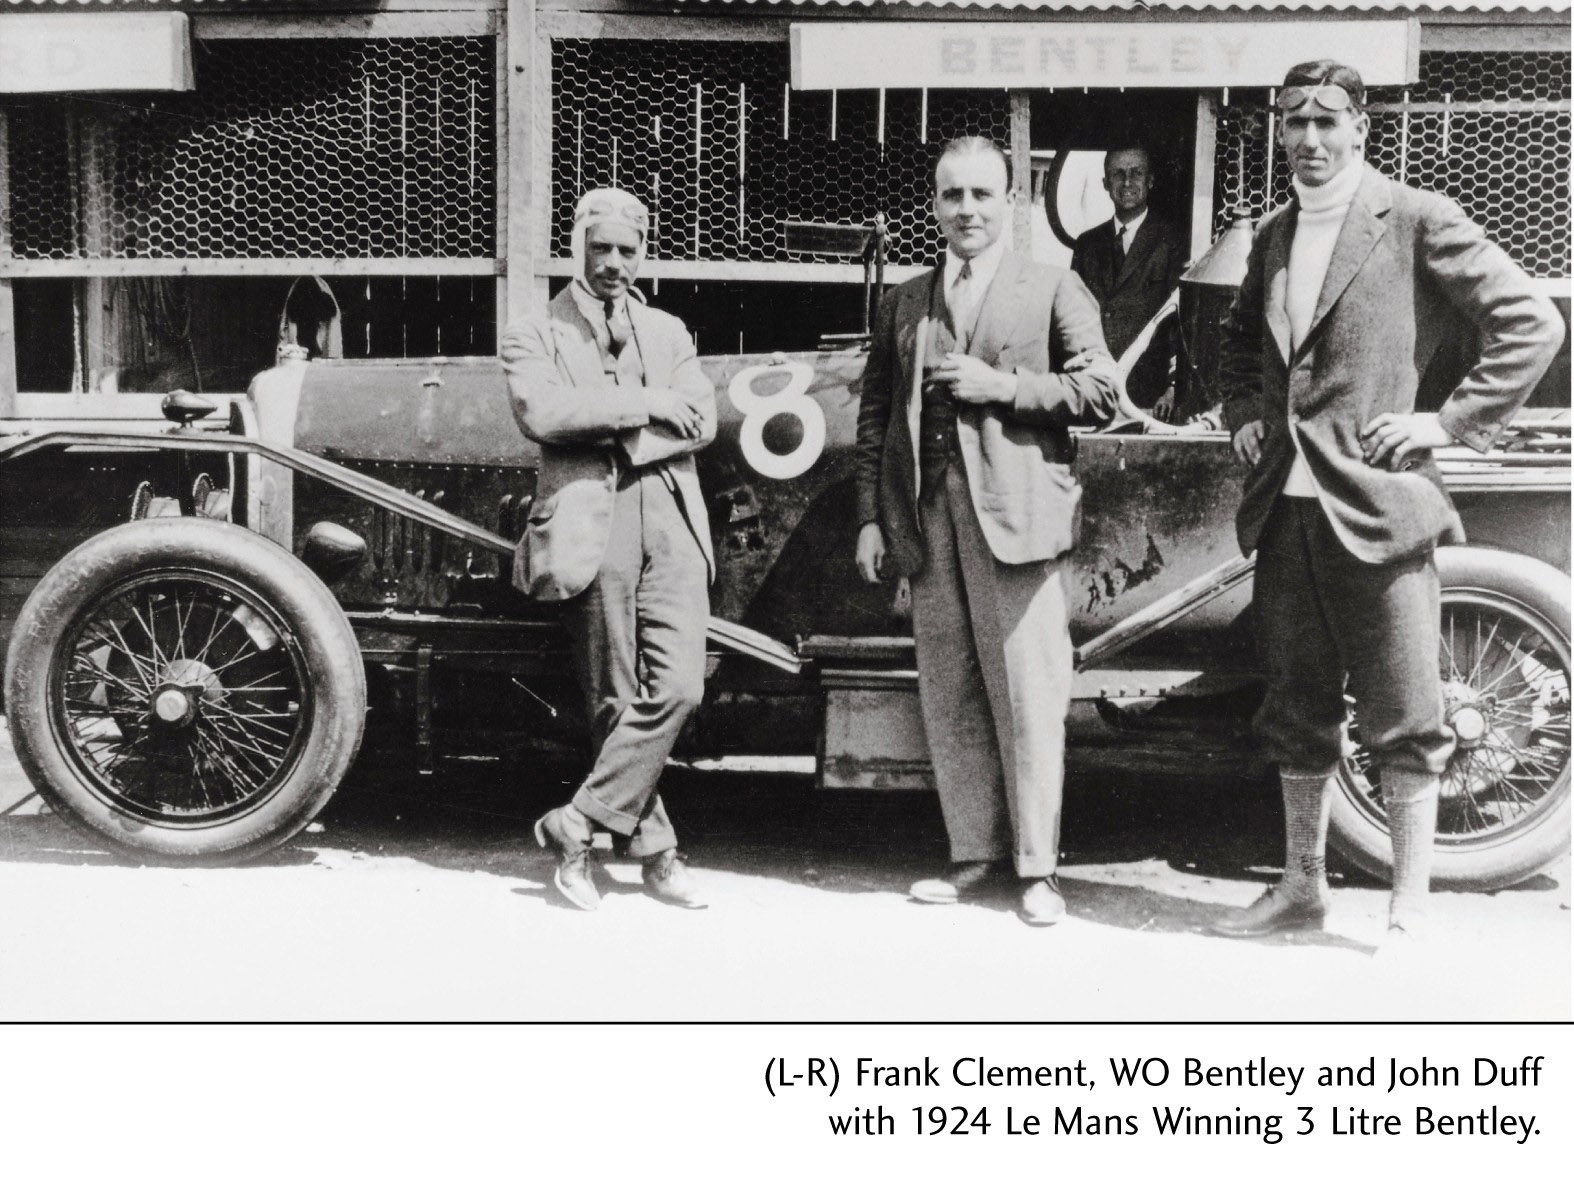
(1317,227)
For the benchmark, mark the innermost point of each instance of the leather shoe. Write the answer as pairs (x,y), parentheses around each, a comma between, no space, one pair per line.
(1042,905)
(566,831)
(668,880)
(1275,911)
(965,879)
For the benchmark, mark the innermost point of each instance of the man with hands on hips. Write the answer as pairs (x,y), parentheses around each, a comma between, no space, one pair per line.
(976,372)
(1348,291)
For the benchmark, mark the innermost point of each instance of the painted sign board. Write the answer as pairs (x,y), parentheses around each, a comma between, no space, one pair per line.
(913,55)
(67,52)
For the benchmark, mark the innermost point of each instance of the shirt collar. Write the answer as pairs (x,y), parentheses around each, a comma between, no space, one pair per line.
(591,304)
(1132,226)
(985,264)
(594,309)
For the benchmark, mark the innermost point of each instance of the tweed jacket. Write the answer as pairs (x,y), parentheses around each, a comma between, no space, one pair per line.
(1031,321)
(1404,262)
(587,425)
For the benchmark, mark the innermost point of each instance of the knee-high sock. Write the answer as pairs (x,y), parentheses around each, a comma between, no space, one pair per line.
(1307,800)
(1411,800)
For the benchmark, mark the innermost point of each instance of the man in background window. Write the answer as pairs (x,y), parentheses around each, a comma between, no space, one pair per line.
(1131,263)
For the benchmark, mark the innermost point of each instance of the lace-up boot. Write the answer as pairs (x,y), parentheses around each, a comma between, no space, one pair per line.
(668,880)
(567,832)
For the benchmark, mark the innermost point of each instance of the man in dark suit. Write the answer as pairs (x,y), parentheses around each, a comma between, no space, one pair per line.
(1347,292)
(1131,263)
(613,392)
(976,371)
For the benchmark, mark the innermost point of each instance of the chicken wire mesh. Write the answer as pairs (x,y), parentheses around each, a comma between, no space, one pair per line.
(1508,169)
(334,148)
(710,136)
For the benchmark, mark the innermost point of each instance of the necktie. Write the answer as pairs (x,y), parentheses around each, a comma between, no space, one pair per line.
(617,328)
(1120,245)
(962,301)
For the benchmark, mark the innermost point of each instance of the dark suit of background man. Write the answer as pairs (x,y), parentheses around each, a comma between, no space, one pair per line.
(1131,263)
(965,486)
(1348,289)
(613,392)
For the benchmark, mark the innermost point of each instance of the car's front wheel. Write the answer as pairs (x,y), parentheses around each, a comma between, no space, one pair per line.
(1504,666)
(184,689)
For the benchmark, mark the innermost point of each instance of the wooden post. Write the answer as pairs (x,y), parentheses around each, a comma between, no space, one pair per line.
(1202,175)
(92,134)
(500,163)
(1021,171)
(517,175)
(7,306)
(7,351)
(541,114)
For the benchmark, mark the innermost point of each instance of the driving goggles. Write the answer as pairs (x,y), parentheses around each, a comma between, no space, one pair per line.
(607,209)
(1327,95)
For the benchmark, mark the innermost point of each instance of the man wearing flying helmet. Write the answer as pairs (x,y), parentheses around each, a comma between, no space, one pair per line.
(1349,289)
(613,392)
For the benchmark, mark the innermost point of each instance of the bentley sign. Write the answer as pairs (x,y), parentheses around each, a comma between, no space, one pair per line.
(1192,54)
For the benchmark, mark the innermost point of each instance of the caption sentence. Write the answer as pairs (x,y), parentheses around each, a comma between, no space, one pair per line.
(1255,1098)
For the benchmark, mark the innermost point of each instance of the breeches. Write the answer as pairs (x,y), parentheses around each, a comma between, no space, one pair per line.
(994,683)
(1327,622)
(638,636)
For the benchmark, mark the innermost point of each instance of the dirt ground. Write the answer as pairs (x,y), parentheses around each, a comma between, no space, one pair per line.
(425,899)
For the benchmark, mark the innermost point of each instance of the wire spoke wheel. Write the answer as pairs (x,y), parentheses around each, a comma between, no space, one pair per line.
(184,690)
(1506,695)
(1503,665)
(182,697)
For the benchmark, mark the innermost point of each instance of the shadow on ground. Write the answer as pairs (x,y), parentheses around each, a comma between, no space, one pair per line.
(476,818)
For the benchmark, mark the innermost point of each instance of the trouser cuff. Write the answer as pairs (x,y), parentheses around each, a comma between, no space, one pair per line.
(610,818)
(643,845)
(964,853)
(1035,868)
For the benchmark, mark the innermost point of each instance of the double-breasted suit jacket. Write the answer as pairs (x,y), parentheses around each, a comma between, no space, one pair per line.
(583,420)
(1404,262)
(1033,320)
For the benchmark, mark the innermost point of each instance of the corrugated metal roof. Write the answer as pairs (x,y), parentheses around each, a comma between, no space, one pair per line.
(1236,6)
(1486,7)
(156,5)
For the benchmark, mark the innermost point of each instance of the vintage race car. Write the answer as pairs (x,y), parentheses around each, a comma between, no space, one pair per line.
(217,606)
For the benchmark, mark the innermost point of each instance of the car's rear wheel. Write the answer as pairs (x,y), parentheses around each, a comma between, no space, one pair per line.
(1504,663)
(185,690)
